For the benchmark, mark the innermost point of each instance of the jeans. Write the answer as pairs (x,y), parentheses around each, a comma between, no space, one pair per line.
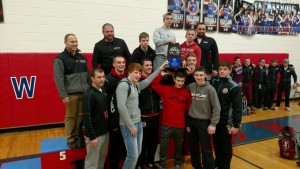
(133,145)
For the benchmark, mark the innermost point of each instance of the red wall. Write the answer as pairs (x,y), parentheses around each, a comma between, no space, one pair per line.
(45,106)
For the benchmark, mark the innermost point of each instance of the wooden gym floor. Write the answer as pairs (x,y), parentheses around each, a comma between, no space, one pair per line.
(246,155)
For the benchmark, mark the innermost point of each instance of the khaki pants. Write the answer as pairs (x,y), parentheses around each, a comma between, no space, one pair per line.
(73,117)
(95,157)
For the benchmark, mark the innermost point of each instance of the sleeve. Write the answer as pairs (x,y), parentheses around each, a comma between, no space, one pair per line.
(216,107)
(87,120)
(198,54)
(126,54)
(144,83)
(135,57)
(236,97)
(215,55)
(189,101)
(96,57)
(59,78)
(294,75)
(156,86)
(121,93)
(157,38)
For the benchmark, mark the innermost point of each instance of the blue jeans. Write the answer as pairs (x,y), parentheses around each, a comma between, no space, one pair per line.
(133,145)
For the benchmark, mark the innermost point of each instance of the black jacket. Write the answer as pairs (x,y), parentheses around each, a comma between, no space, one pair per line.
(247,73)
(273,74)
(285,75)
(104,52)
(148,100)
(139,55)
(230,97)
(209,54)
(260,75)
(95,115)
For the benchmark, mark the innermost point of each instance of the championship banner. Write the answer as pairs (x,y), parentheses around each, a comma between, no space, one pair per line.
(177,8)
(1,12)
(192,13)
(226,16)
(210,11)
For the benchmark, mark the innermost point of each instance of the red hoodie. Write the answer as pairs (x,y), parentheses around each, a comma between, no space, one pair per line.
(120,77)
(176,103)
(193,48)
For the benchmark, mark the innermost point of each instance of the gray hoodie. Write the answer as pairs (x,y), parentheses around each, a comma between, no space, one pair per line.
(128,107)
(205,103)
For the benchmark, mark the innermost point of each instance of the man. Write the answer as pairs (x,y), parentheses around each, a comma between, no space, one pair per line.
(72,78)
(191,61)
(286,72)
(189,46)
(108,47)
(149,106)
(95,121)
(230,98)
(247,72)
(204,115)
(209,51)
(177,100)
(130,114)
(237,71)
(162,37)
(259,84)
(117,148)
(144,51)
(273,71)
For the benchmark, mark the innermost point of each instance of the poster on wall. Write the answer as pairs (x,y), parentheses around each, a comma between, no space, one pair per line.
(192,13)
(210,11)
(1,12)
(177,8)
(244,18)
(225,16)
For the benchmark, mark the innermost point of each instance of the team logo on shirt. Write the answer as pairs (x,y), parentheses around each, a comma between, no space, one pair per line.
(144,124)
(225,90)
(117,48)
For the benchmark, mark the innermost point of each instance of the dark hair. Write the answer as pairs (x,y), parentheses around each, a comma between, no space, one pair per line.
(200,69)
(167,14)
(67,36)
(201,23)
(144,60)
(143,35)
(235,58)
(190,30)
(261,59)
(107,24)
(117,56)
(97,69)
(274,60)
(179,74)
(134,66)
(225,64)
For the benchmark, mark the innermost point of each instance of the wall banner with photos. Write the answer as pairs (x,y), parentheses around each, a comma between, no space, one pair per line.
(245,17)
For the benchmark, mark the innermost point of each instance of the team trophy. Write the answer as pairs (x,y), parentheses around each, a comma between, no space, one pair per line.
(174,58)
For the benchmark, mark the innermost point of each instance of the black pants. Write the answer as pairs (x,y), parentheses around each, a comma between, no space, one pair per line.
(198,134)
(223,147)
(166,134)
(270,94)
(259,94)
(117,148)
(150,139)
(286,88)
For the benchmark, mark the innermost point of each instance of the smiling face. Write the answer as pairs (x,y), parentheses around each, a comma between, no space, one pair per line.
(147,67)
(199,77)
(71,43)
(119,64)
(134,76)
(201,29)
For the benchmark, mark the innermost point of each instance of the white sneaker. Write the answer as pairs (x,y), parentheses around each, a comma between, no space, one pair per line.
(276,108)
(287,108)
(177,166)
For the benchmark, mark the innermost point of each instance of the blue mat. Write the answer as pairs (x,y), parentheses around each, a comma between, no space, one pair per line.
(265,129)
(53,145)
(33,163)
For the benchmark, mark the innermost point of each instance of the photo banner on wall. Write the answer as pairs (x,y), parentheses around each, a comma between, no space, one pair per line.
(192,13)
(266,17)
(177,8)
(1,12)
(210,12)
(225,16)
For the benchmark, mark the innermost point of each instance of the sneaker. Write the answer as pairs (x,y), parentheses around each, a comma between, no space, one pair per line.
(276,108)
(177,166)
(152,165)
(287,108)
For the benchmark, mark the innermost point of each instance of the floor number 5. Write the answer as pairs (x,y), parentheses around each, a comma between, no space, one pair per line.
(62,155)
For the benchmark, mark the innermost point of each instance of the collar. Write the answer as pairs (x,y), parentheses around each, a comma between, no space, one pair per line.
(120,77)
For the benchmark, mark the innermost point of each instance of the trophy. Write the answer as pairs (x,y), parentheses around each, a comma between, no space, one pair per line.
(174,58)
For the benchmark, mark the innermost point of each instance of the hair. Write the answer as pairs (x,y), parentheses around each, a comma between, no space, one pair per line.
(97,69)
(261,59)
(134,66)
(235,58)
(274,60)
(68,35)
(143,35)
(117,56)
(190,30)
(167,14)
(144,60)
(200,69)
(190,55)
(201,23)
(179,74)
(225,64)
(107,24)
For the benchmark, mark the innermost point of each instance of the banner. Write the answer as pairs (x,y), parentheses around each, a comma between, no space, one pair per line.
(210,11)
(177,8)
(226,15)
(192,13)
(1,12)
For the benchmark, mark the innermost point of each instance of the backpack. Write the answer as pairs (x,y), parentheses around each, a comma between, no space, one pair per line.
(114,107)
(289,143)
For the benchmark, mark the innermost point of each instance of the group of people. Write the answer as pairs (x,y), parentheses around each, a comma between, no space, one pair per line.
(260,83)
(151,100)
